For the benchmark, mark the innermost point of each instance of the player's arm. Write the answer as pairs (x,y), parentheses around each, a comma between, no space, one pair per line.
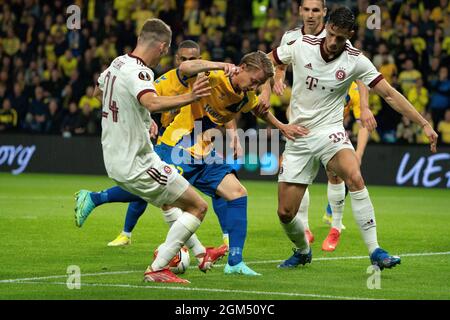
(400,104)
(98,94)
(367,119)
(154,103)
(193,67)
(235,144)
(290,131)
(363,138)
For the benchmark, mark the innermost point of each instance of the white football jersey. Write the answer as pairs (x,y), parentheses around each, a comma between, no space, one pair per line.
(127,149)
(321,85)
(294,34)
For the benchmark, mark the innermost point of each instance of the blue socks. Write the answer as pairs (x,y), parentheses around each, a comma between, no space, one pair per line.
(117,194)
(237,228)
(114,194)
(220,208)
(134,212)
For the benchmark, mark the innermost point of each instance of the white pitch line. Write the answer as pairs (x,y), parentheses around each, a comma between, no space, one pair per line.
(129,286)
(221,265)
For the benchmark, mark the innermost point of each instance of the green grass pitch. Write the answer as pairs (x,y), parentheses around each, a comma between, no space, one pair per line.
(40,241)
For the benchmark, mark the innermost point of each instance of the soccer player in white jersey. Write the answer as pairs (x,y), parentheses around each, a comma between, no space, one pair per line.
(313,13)
(324,69)
(128,95)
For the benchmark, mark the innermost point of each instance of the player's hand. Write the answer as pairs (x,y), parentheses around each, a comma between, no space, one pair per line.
(292,131)
(230,69)
(153,130)
(368,120)
(432,136)
(279,87)
(201,87)
(263,106)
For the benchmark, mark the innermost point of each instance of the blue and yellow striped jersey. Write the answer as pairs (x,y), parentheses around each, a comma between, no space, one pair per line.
(190,129)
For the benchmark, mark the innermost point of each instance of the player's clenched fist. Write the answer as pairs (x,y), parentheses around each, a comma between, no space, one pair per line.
(201,87)
(432,136)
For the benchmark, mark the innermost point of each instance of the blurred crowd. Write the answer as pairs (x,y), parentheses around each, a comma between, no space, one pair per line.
(48,71)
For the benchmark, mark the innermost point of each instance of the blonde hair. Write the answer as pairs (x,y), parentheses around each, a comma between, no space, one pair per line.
(259,61)
(155,30)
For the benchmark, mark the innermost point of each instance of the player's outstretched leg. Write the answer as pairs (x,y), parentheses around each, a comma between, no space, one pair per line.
(134,212)
(236,223)
(289,198)
(206,257)
(86,201)
(303,214)
(345,164)
(194,210)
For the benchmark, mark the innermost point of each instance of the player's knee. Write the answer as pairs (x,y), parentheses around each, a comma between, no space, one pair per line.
(237,192)
(285,215)
(200,208)
(355,181)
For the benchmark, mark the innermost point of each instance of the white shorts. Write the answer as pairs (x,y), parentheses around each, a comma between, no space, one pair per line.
(302,157)
(160,184)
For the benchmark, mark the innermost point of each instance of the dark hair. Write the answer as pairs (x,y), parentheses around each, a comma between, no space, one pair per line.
(324,3)
(189,44)
(342,18)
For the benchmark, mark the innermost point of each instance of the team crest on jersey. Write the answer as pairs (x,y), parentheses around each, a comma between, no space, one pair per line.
(144,76)
(340,75)
(167,169)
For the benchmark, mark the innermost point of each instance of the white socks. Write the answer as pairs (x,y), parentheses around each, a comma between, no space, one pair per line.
(170,216)
(295,230)
(303,209)
(336,199)
(365,217)
(182,229)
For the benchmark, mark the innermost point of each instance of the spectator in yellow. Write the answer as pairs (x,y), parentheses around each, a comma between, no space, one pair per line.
(418,96)
(106,52)
(418,42)
(8,116)
(59,26)
(444,128)
(194,17)
(123,9)
(409,76)
(11,44)
(213,21)
(438,13)
(67,63)
(140,15)
(259,11)
(89,99)
(272,25)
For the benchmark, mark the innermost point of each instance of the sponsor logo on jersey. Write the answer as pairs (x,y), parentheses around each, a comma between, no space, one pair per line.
(143,75)
(291,42)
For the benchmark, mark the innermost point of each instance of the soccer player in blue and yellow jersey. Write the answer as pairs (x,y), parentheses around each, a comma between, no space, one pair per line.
(187,50)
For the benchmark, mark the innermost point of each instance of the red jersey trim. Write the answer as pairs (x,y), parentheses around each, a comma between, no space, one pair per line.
(276,57)
(376,81)
(140,94)
(136,57)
